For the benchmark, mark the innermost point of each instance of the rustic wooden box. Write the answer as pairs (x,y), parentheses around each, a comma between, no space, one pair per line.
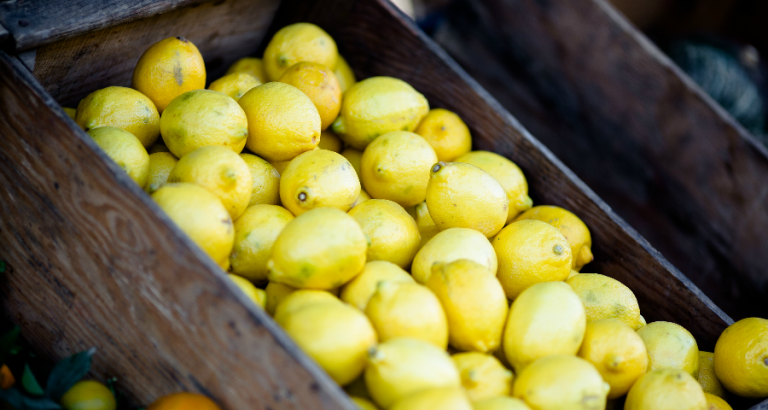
(635,128)
(94,262)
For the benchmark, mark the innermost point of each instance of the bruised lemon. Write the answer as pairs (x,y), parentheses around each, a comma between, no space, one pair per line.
(235,85)
(344,74)
(393,233)
(266,181)
(707,377)
(666,389)
(571,227)
(249,65)
(741,357)
(120,107)
(483,376)
(561,382)
(449,398)
(360,289)
(446,133)
(256,295)
(125,150)
(318,178)
(605,297)
(451,245)
(256,231)
(168,69)
(670,346)
(297,43)
(319,83)
(160,166)
(329,141)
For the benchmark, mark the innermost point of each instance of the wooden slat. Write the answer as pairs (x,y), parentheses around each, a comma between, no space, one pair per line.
(94,262)
(634,128)
(4,35)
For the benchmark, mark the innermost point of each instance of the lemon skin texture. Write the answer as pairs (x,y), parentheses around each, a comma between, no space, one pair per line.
(741,357)
(235,85)
(256,231)
(319,178)
(295,43)
(249,65)
(483,376)
(266,181)
(570,226)
(120,107)
(358,291)
(666,389)
(707,377)
(394,234)
(160,166)
(321,86)
(125,150)
(670,346)
(605,297)
(561,382)
(446,133)
(451,245)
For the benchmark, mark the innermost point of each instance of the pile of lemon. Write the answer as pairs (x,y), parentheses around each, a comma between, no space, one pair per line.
(389,251)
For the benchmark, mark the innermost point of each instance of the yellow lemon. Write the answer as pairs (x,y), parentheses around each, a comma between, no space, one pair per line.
(168,69)
(360,289)
(509,176)
(318,178)
(363,404)
(258,296)
(280,135)
(393,233)
(158,147)
(88,395)
(120,107)
(329,141)
(203,118)
(500,403)
(449,398)
(357,388)
(426,225)
(280,167)
(160,166)
(320,249)
(220,171)
(446,133)
(670,346)
(125,150)
(482,375)
(354,157)
(376,106)
(401,367)
(249,65)
(707,377)
(299,299)
(666,389)
(344,74)
(276,293)
(474,304)
(361,198)
(561,382)
(403,309)
(531,252)
(297,43)
(336,335)
(617,352)
(605,297)
(256,231)
(572,274)
(235,85)
(200,215)
(396,167)
(71,112)
(546,319)
(741,357)
(451,245)
(266,181)
(574,230)
(716,403)
(319,83)
(457,191)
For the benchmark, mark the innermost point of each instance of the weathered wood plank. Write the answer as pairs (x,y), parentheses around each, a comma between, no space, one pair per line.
(4,35)
(94,262)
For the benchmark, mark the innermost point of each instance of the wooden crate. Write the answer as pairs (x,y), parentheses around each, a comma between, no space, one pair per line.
(635,128)
(94,262)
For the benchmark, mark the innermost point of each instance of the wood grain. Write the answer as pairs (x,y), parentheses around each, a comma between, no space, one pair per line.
(634,128)
(94,262)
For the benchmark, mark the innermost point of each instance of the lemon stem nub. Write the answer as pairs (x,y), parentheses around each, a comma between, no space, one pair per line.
(436,167)
(558,249)
(766,361)
(302,196)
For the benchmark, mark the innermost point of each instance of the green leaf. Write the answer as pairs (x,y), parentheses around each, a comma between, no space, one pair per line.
(8,343)
(68,372)
(2,266)
(21,402)
(30,383)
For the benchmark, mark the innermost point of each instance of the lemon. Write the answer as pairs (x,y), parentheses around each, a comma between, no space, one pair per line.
(574,230)
(741,357)
(716,403)
(336,335)
(509,176)
(258,296)
(266,181)
(482,375)
(451,245)
(403,309)
(329,141)
(363,404)
(299,299)
(393,233)
(318,178)
(401,367)
(572,274)
(474,304)
(256,231)
(220,171)
(396,167)
(200,215)
(158,147)
(319,83)
(360,289)
(605,297)
(424,222)
(670,346)
(546,319)
(321,249)
(707,377)
(203,118)
(376,106)
(666,389)
(449,398)
(344,74)
(530,252)
(295,43)
(455,193)
(500,403)
(561,382)
(235,85)
(71,112)
(88,395)
(168,69)
(361,198)
(276,293)
(617,352)
(120,107)
(357,388)
(446,133)
(249,65)
(280,135)
(354,157)
(125,150)
(160,166)
(280,167)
